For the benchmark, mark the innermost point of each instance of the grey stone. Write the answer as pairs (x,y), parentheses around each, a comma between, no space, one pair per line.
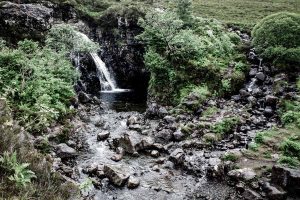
(103,135)
(260,76)
(177,156)
(178,135)
(245,174)
(133,182)
(64,151)
(116,175)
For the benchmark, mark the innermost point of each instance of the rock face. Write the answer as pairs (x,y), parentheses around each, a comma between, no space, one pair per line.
(22,21)
(287,178)
(121,51)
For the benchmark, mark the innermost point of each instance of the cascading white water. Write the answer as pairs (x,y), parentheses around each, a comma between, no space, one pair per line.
(107,82)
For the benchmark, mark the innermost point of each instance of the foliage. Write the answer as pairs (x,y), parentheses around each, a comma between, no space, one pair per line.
(277,37)
(38,82)
(21,175)
(63,37)
(210,111)
(181,57)
(291,148)
(184,10)
(230,157)
(225,126)
(290,161)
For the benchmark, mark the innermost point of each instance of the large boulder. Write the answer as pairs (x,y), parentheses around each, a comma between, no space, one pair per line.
(20,21)
(116,175)
(287,178)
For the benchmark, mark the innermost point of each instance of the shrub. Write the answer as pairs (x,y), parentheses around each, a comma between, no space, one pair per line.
(230,157)
(38,82)
(181,57)
(290,161)
(290,148)
(225,126)
(20,173)
(259,138)
(64,37)
(277,37)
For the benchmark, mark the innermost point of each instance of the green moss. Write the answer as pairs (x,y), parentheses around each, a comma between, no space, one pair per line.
(291,147)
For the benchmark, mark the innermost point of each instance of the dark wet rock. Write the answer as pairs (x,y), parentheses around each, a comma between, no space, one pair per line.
(83,97)
(271,100)
(103,135)
(178,135)
(260,76)
(286,178)
(64,151)
(273,193)
(71,143)
(177,156)
(133,182)
(245,174)
(116,174)
(257,92)
(20,21)
(268,112)
(244,93)
(164,136)
(251,195)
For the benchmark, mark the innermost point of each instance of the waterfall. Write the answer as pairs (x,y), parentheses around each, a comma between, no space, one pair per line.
(107,82)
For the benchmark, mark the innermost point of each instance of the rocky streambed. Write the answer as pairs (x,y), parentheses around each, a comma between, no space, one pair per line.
(166,154)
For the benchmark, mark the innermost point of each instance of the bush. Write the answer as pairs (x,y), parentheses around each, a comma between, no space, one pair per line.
(290,161)
(290,148)
(277,37)
(225,126)
(230,157)
(179,56)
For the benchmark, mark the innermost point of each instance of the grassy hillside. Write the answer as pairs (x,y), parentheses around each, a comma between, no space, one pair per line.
(243,12)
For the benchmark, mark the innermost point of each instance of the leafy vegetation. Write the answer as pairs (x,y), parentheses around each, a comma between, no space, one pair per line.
(225,126)
(230,157)
(277,38)
(185,55)
(38,81)
(21,175)
(24,172)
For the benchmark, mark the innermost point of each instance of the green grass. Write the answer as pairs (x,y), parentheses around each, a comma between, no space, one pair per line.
(242,12)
